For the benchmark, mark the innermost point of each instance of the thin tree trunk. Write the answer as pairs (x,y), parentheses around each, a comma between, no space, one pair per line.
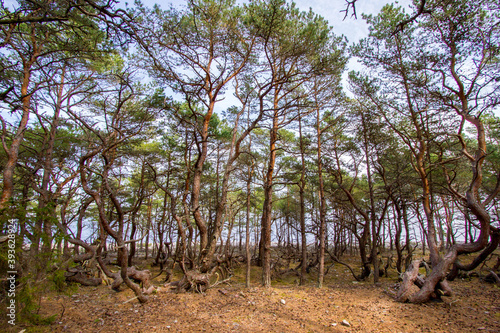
(148,226)
(13,151)
(322,205)
(268,196)
(302,185)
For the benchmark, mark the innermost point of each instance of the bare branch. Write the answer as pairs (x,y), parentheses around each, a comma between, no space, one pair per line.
(421,10)
(350,4)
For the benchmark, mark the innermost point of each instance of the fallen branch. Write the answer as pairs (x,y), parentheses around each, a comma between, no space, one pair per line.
(220,282)
(334,258)
(130,300)
(493,275)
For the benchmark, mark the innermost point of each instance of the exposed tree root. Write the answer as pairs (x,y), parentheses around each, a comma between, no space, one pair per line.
(407,292)
(409,278)
(81,276)
(143,277)
(194,280)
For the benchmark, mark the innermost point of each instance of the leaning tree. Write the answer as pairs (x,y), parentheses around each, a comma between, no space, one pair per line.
(445,69)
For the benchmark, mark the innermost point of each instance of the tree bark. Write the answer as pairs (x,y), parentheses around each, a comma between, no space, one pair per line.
(247,227)
(13,151)
(322,204)
(268,203)
(302,185)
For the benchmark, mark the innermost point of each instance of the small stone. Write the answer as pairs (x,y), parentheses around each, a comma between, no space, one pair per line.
(345,323)
(334,324)
(283,302)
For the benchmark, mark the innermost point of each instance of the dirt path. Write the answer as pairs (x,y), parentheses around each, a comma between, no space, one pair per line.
(232,308)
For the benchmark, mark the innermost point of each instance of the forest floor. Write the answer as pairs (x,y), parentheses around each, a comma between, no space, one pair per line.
(286,307)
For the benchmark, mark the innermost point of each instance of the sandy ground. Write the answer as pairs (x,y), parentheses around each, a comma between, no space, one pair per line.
(286,307)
